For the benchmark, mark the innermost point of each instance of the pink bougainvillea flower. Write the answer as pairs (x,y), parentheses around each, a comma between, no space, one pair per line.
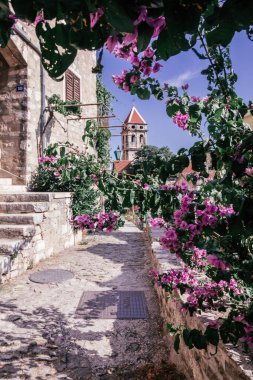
(217,263)
(142,16)
(134,79)
(148,52)
(195,99)
(134,59)
(146,186)
(181,120)
(239,318)
(185,87)
(118,79)
(205,99)
(157,66)
(158,24)
(94,17)
(147,71)
(125,87)
(111,42)
(214,325)
(130,37)
(249,171)
(57,174)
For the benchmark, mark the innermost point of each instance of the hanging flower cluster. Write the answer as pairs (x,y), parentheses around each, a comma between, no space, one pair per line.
(143,65)
(181,120)
(107,221)
(190,220)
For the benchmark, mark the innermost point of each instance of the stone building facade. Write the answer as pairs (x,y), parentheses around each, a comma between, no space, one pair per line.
(24,88)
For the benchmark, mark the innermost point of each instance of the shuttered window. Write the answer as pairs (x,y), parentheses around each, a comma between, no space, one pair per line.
(72,83)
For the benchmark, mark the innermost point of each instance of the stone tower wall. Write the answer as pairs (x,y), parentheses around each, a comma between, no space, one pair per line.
(134,136)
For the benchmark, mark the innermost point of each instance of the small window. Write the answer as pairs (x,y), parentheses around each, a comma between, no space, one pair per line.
(72,83)
(141,139)
(141,126)
(133,127)
(133,139)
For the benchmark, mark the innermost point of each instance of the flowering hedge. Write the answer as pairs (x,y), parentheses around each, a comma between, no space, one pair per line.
(209,279)
(108,221)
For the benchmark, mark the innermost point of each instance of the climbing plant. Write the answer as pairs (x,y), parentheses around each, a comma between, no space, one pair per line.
(104,98)
(65,108)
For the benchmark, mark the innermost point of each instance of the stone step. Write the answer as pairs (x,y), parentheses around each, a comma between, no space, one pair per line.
(25,197)
(10,246)
(12,189)
(32,218)
(15,231)
(6,181)
(23,207)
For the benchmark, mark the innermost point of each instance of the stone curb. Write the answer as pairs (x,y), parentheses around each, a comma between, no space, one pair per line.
(229,363)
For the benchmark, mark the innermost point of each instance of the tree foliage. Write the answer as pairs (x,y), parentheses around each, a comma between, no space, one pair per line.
(151,161)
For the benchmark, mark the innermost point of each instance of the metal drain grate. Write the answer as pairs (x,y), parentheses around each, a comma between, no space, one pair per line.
(51,275)
(112,305)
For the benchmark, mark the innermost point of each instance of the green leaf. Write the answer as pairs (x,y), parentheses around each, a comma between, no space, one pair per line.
(212,335)
(198,339)
(144,36)
(62,151)
(172,108)
(57,53)
(169,44)
(118,17)
(5,31)
(187,338)
(25,9)
(143,93)
(199,55)
(177,343)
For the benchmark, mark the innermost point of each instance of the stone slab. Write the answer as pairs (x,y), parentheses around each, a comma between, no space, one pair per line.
(51,275)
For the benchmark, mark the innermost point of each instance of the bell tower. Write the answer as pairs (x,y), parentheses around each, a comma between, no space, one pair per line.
(134,134)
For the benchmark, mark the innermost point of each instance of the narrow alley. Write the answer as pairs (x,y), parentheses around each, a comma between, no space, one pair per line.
(44,335)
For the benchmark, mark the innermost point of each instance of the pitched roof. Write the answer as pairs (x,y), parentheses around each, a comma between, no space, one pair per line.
(119,166)
(134,117)
(189,170)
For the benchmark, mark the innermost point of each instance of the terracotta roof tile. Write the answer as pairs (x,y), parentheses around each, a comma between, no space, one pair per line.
(119,166)
(134,117)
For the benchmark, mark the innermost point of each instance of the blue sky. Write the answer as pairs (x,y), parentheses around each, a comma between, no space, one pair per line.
(184,68)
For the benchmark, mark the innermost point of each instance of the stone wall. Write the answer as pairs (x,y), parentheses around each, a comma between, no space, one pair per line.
(13,121)
(51,233)
(228,364)
(23,110)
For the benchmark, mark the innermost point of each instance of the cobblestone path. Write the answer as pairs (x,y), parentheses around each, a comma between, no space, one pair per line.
(42,339)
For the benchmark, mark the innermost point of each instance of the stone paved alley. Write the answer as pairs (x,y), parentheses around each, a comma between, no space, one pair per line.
(42,339)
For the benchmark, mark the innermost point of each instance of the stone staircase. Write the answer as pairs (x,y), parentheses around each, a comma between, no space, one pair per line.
(20,215)
(33,226)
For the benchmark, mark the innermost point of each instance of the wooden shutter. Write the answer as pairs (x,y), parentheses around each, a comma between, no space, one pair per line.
(72,86)
(76,93)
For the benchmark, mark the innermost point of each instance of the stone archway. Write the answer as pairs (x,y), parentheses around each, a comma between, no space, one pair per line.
(13,114)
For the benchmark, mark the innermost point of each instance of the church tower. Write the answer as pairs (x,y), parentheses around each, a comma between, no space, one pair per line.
(134,134)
